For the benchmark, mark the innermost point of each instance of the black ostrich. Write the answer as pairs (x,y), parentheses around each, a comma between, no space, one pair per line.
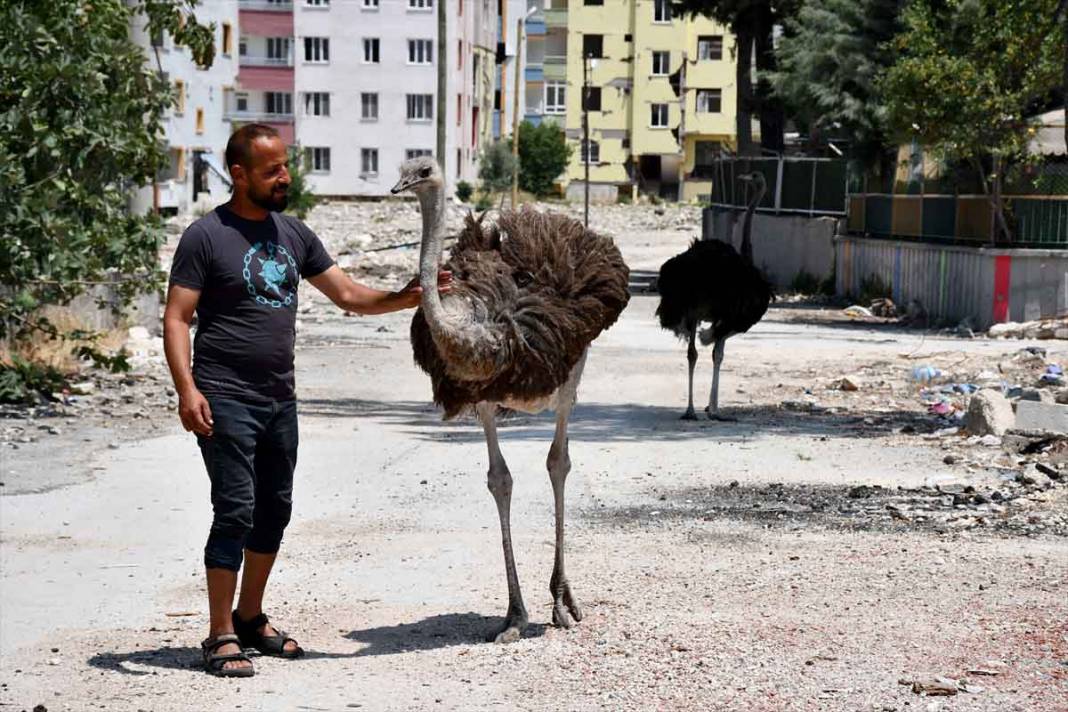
(711,283)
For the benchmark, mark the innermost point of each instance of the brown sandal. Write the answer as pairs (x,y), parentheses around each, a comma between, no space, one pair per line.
(214,663)
(271,645)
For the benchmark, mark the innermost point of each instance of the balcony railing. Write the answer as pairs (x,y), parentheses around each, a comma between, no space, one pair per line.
(284,6)
(247,60)
(555,17)
(555,67)
(235,115)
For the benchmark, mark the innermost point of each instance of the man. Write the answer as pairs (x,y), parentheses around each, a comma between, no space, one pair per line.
(238,269)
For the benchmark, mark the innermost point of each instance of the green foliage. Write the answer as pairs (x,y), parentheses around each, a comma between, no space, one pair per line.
(464,191)
(80,126)
(117,363)
(24,382)
(301,199)
(483,202)
(543,156)
(968,74)
(830,59)
(496,167)
(805,283)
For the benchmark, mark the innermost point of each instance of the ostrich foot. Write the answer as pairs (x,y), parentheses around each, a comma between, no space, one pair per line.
(715,415)
(689,415)
(565,604)
(515,621)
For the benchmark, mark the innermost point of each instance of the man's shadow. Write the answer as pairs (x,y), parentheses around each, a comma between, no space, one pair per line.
(435,632)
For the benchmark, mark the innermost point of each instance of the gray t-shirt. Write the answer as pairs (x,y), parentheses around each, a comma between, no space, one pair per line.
(247,272)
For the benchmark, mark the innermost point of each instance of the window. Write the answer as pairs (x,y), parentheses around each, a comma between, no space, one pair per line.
(555,97)
(420,107)
(661,63)
(317,103)
(227,38)
(416,153)
(661,10)
(590,152)
(369,107)
(278,50)
(709,101)
(593,45)
(705,153)
(242,46)
(241,101)
(368,161)
(593,99)
(179,164)
(710,47)
(200,120)
(317,3)
(279,102)
(179,96)
(420,51)
(317,159)
(459,109)
(370,50)
(659,118)
(420,4)
(593,2)
(496,99)
(317,49)
(460,54)
(370,4)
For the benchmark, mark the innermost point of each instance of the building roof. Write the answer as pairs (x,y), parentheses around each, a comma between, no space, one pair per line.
(1048,139)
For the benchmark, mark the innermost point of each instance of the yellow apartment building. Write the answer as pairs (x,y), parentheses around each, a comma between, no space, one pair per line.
(662,98)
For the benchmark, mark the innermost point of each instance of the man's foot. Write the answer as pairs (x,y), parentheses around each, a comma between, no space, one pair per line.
(223,657)
(258,633)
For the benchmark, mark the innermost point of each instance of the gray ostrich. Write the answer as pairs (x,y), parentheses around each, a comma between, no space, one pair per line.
(528,296)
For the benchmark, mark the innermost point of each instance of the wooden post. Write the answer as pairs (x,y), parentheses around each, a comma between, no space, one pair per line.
(443,68)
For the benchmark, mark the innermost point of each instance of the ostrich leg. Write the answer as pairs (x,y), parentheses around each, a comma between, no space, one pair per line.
(559,465)
(691,358)
(499,480)
(713,398)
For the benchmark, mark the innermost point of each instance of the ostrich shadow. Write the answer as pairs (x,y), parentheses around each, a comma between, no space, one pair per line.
(627,422)
(433,633)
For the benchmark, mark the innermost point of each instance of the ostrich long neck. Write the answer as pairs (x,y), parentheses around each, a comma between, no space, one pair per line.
(747,224)
(432,207)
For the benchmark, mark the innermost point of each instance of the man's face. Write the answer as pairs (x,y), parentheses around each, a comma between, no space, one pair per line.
(267,175)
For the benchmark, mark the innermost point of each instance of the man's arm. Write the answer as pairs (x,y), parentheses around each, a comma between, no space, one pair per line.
(352,296)
(193,407)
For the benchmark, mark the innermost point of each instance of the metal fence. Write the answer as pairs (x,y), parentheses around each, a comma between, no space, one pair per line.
(806,186)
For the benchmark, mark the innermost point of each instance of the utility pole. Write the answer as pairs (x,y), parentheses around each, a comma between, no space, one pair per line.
(515,112)
(682,125)
(443,68)
(586,134)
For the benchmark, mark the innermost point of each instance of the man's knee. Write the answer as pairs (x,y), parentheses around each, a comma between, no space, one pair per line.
(229,532)
(270,525)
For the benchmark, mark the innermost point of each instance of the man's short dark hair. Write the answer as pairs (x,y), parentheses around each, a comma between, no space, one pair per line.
(239,147)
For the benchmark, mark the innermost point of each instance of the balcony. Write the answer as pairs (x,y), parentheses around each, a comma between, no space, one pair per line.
(555,18)
(266,5)
(258,117)
(246,60)
(555,68)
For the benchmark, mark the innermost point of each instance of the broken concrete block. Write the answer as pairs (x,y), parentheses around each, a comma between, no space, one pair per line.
(1048,417)
(989,413)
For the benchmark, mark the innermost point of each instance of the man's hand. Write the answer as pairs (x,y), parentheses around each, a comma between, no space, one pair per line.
(412,292)
(195,412)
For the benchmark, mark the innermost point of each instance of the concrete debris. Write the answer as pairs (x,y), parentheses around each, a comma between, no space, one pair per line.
(933,686)
(1044,329)
(1047,417)
(989,413)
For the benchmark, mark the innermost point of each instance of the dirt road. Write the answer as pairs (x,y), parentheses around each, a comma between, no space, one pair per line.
(722,566)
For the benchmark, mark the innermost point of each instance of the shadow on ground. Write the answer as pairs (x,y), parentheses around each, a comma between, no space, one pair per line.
(433,633)
(187,658)
(604,422)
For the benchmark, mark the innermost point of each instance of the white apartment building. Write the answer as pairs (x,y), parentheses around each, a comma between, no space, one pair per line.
(197,128)
(511,12)
(365,89)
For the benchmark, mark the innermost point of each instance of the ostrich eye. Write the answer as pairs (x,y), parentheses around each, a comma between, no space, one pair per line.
(425,173)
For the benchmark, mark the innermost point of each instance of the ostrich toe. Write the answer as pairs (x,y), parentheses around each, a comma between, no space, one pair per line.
(688,415)
(515,622)
(565,607)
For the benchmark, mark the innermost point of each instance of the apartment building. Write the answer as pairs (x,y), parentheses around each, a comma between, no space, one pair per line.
(197,127)
(267,74)
(511,33)
(662,97)
(545,89)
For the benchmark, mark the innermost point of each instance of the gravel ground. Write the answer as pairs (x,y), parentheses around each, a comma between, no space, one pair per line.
(822,553)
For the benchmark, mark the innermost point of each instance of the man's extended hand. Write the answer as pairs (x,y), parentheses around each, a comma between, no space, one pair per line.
(412,292)
(195,412)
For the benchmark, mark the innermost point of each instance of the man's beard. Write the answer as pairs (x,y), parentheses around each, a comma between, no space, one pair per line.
(269,201)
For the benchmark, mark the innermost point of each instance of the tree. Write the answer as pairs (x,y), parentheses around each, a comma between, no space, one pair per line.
(830,58)
(300,198)
(969,73)
(495,168)
(543,156)
(752,22)
(80,127)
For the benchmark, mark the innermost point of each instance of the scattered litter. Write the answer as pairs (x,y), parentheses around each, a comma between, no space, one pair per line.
(180,614)
(932,686)
(925,374)
(857,310)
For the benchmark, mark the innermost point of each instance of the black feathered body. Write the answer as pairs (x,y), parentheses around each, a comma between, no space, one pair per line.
(711,283)
(544,287)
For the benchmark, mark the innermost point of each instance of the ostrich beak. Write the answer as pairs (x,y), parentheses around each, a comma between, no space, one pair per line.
(401,186)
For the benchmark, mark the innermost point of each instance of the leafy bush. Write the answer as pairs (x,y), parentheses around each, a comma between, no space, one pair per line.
(464,191)
(24,382)
(496,167)
(301,199)
(543,156)
(484,202)
(805,283)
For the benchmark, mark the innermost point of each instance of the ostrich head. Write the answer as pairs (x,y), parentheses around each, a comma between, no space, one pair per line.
(419,175)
